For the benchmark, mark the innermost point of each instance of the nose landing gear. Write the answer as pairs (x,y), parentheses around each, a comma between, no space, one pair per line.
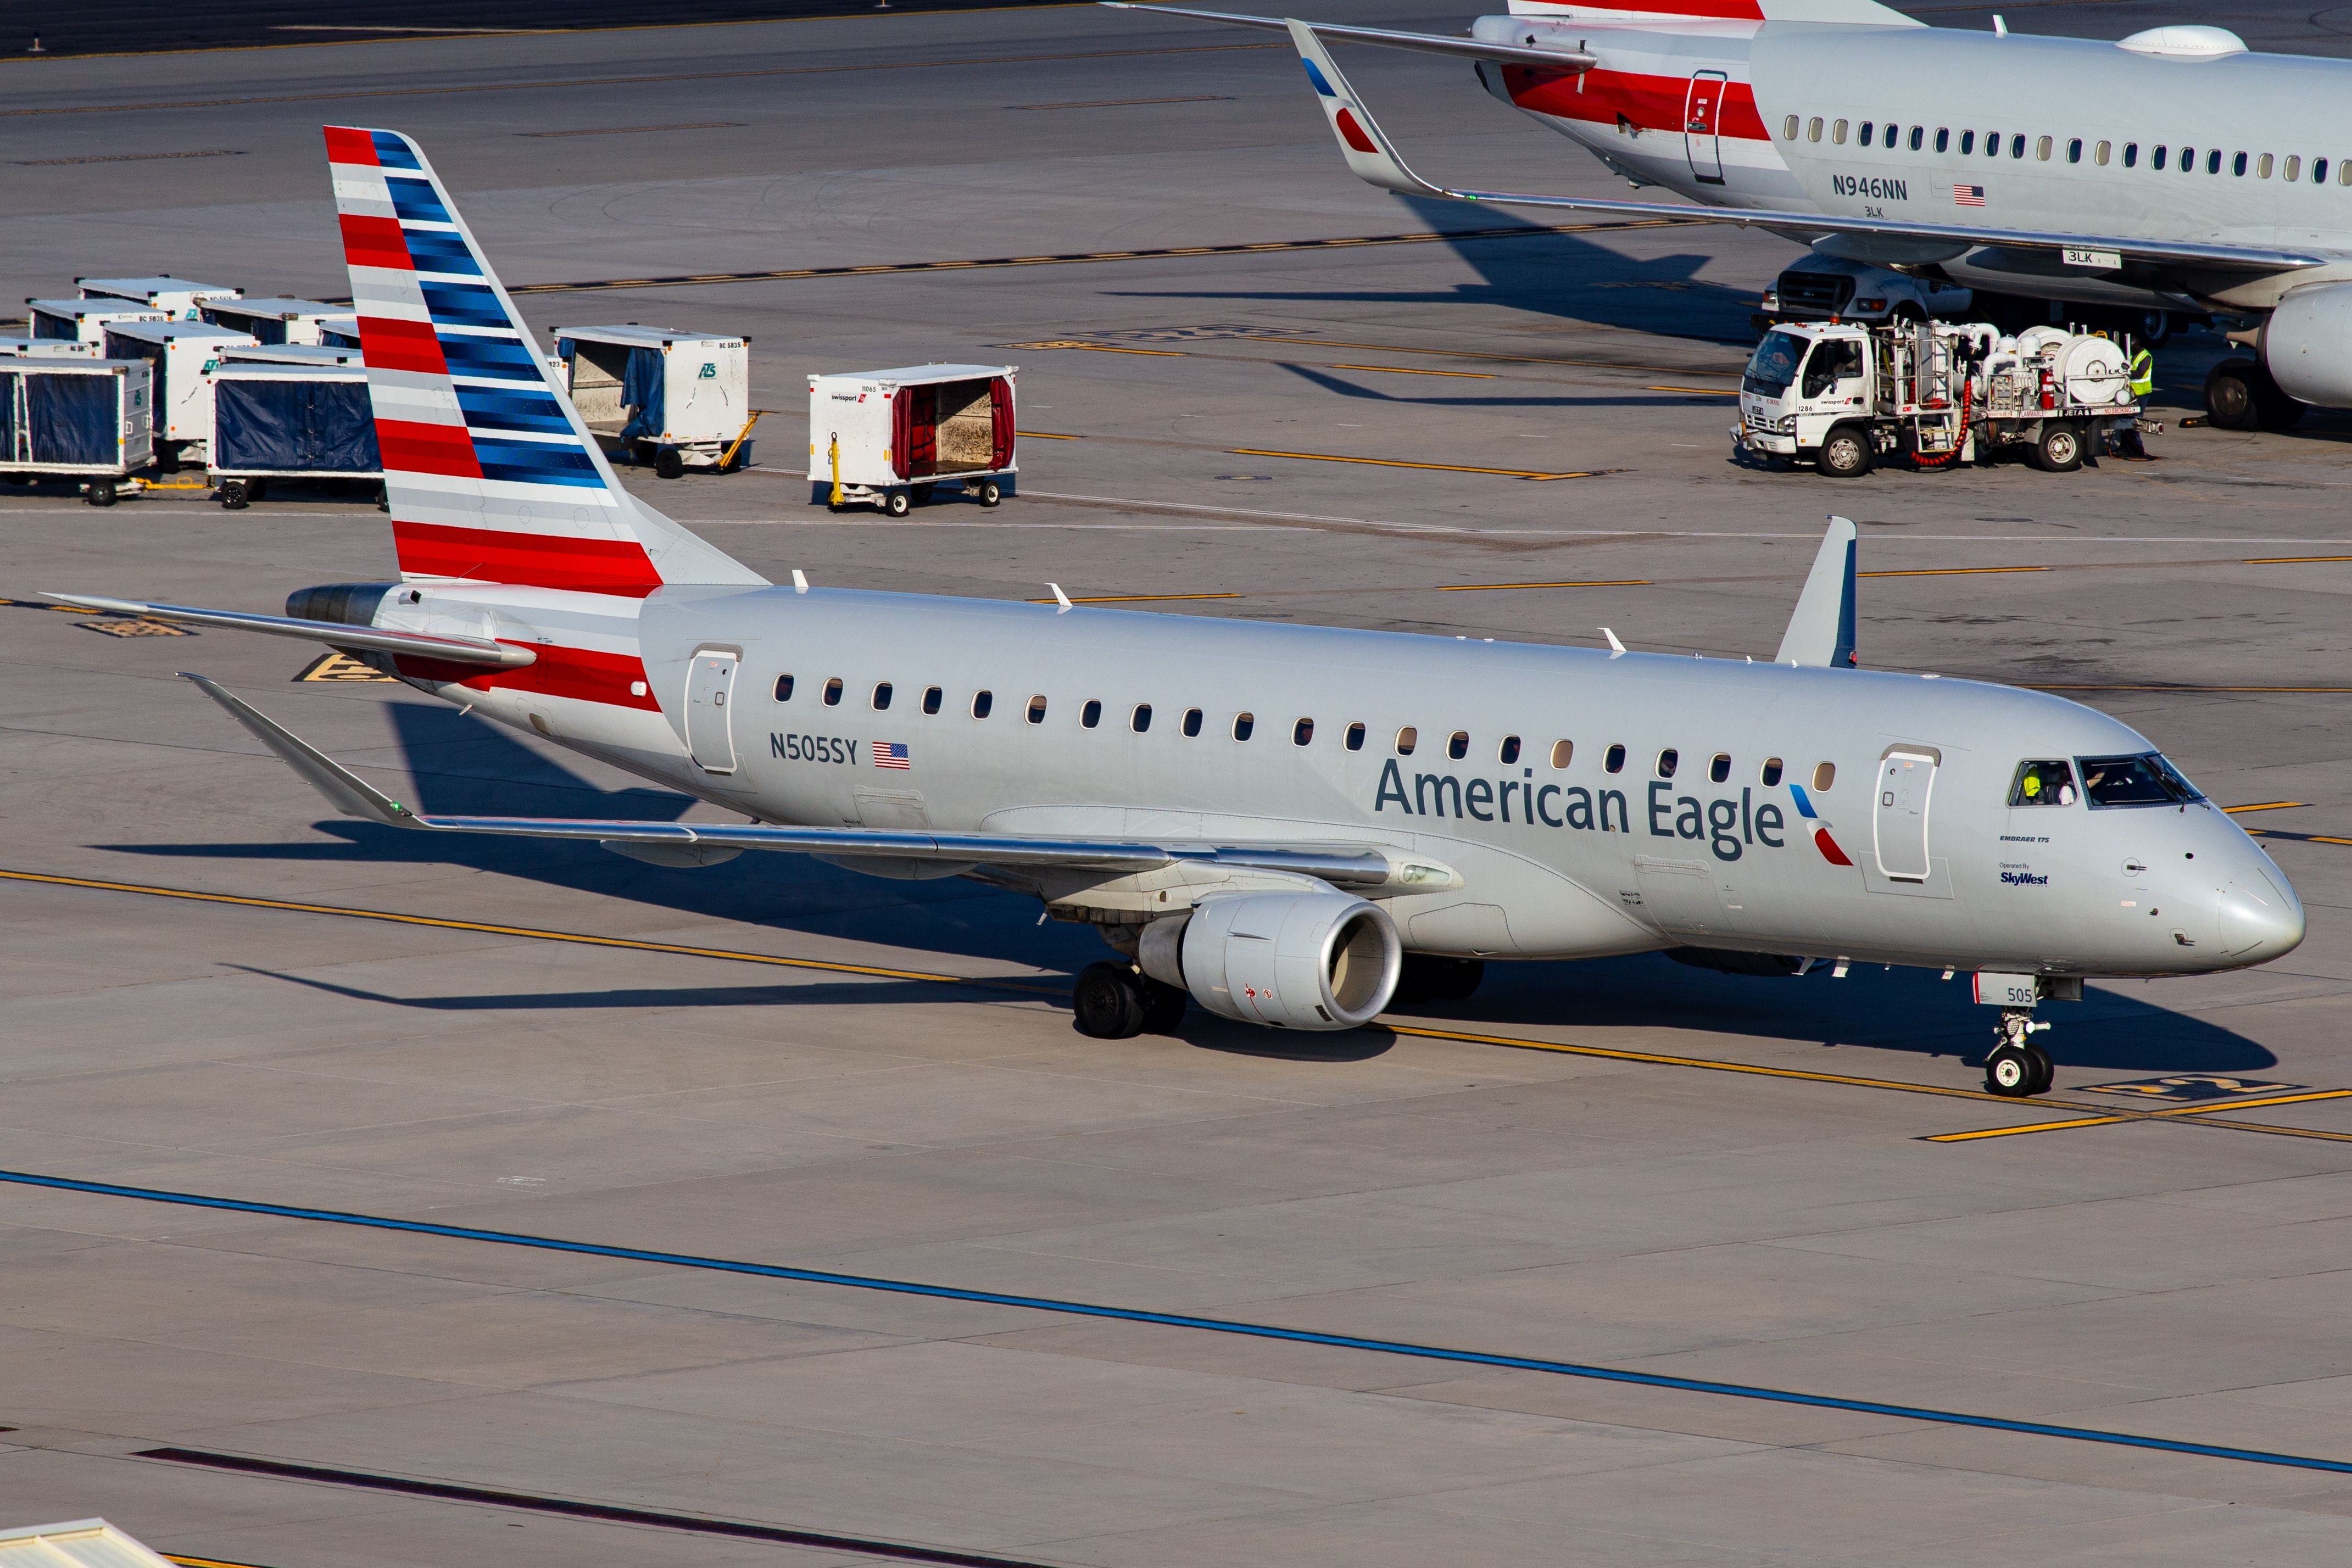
(2018,1068)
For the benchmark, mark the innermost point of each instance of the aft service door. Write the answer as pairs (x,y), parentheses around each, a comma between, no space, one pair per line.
(1702,126)
(709,686)
(1906,780)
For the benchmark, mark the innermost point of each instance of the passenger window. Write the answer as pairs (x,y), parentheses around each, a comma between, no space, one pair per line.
(881,696)
(1992,144)
(1869,133)
(1813,129)
(2214,162)
(1968,141)
(2293,170)
(1668,760)
(1891,131)
(2017,146)
(1943,139)
(1458,744)
(1192,721)
(1356,738)
(2075,150)
(2237,166)
(1719,770)
(2042,149)
(931,697)
(1302,732)
(1770,774)
(783,688)
(1562,752)
(1837,133)
(1089,717)
(1788,129)
(1824,775)
(1037,710)
(1242,725)
(2262,167)
(2099,153)
(1509,752)
(1613,761)
(1407,738)
(1141,719)
(2131,155)
(833,692)
(981,703)
(1918,137)
(2044,784)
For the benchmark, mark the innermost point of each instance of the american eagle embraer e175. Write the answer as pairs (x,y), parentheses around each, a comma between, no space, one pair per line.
(1281,822)
(2176,170)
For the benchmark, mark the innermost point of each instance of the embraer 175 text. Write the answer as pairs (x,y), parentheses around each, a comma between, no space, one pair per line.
(2175,171)
(1279,821)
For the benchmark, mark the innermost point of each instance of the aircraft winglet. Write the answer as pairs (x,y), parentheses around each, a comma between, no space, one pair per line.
(1820,632)
(1368,151)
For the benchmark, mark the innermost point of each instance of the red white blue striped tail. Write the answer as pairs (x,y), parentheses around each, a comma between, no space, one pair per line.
(491,474)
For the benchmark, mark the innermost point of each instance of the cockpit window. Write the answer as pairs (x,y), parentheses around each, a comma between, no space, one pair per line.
(1774,364)
(2144,780)
(2047,783)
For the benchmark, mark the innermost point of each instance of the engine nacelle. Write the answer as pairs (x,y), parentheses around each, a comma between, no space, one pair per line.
(1293,960)
(2307,345)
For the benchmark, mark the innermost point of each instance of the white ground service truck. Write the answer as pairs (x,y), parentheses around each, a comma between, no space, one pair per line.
(1844,397)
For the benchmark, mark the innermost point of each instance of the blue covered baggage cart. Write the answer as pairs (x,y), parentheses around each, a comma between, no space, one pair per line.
(86,419)
(289,422)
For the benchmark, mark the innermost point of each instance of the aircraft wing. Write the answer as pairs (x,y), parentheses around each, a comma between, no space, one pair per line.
(419,644)
(1569,62)
(1373,158)
(1358,869)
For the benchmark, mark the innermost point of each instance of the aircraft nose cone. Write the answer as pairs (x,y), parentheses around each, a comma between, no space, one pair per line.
(2261,919)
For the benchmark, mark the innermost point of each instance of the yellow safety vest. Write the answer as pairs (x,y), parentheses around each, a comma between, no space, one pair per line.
(2143,373)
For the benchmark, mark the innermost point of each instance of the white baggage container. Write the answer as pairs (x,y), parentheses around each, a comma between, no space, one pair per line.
(184,354)
(890,438)
(83,320)
(75,418)
(47,348)
(272,321)
(289,354)
(681,399)
(178,298)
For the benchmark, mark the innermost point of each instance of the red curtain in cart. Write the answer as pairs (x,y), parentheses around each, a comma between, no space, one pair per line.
(915,431)
(999,409)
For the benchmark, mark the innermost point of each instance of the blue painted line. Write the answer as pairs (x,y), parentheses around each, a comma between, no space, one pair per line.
(1182,1320)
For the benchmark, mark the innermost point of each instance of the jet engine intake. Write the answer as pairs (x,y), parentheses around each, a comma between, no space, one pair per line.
(2306,345)
(1290,960)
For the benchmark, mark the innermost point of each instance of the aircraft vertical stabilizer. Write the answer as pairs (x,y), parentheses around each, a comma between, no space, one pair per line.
(490,473)
(1820,632)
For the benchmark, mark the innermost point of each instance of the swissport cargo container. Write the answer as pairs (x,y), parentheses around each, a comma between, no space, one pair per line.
(83,320)
(182,353)
(680,400)
(81,419)
(178,298)
(289,421)
(890,438)
(48,349)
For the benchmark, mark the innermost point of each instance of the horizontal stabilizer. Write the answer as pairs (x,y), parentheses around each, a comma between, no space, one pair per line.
(377,639)
(1820,632)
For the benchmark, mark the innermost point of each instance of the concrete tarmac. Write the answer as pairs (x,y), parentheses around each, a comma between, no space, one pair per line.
(1593,1177)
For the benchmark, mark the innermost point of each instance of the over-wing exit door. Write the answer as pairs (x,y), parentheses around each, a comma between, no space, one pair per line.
(1701,123)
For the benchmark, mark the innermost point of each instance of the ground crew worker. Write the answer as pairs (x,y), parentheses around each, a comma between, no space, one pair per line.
(2143,383)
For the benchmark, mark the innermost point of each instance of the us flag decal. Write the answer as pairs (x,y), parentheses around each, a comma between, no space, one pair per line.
(1967,195)
(891,754)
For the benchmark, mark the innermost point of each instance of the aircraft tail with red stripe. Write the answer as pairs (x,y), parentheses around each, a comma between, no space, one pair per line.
(491,474)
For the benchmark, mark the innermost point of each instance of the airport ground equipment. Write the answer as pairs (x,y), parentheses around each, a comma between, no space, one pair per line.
(181,299)
(1824,287)
(1843,396)
(83,320)
(49,348)
(889,439)
(663,395)
(183,354)
(290,354)
(272,321)
(289,421)
(69,418)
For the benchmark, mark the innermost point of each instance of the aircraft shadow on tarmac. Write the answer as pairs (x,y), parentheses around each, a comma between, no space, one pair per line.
(1563,276)
(1332,383)
(462,764)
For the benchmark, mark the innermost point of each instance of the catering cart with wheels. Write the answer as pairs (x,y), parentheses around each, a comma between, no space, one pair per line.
(891,439)
(183,354)
(83,320)
(48,349)
(88,420)
(289,422)
(662,395)
(179,298)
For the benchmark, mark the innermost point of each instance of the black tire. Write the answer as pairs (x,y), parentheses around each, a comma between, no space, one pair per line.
(922,494)
(234,495)
(2232,394)
(898,503)
(167,460)
(2155,328)
(668,464)
(990,492)
(101,492)
(2011,1073)
(2045,1071)
(2060,446)
(1845,454)
(1107,1003)
(1163,1006)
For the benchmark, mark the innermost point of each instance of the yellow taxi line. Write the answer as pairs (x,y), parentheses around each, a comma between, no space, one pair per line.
(1953,570)
(2264,806)
(2172,1112)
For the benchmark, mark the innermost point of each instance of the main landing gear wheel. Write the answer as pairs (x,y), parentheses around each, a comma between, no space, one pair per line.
(1107,1003)
(2241,395)
(1163,1006)
(1844,454)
